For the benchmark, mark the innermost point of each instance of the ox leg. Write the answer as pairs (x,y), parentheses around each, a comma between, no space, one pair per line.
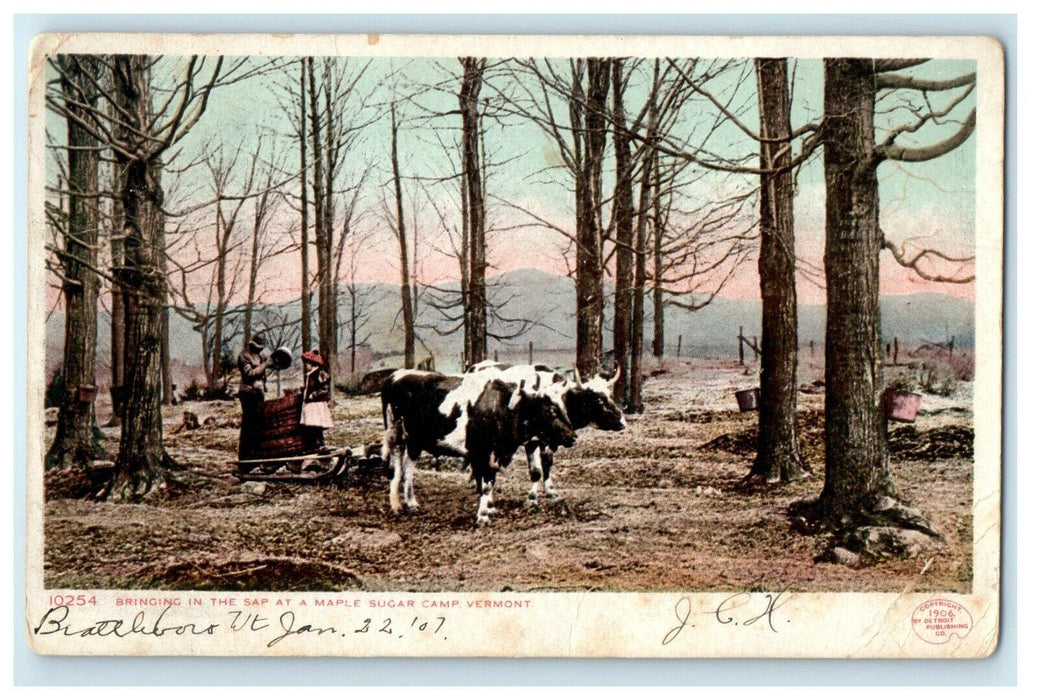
(410,502)
(547,462)
(533,459)
(485,485)
(396,459)
(392,453)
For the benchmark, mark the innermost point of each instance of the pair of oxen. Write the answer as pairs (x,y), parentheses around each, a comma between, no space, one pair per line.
(485,416)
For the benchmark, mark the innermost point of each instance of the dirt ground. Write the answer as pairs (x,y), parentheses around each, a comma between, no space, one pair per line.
(657,507)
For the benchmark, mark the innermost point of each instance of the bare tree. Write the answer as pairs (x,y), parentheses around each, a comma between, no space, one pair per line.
(359,297)
(304,210)
(263,246)
(406,293)
(778,454)
(474,290)
(76,264)
(858,485)
(623,218)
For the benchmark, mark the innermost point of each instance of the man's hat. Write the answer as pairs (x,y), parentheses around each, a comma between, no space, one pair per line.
(257,340)
(313,357)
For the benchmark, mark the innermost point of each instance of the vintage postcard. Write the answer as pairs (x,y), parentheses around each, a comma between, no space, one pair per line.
(515,346)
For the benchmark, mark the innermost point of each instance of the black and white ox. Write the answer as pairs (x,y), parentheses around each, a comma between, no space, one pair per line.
(584,403)
(483,418)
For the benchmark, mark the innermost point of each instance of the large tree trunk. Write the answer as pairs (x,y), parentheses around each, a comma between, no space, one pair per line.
(406,303)
(139,466)
(778,455)
(623,208)
(856,460)
(74,442)
(304,246)
(475,294)
(589,126)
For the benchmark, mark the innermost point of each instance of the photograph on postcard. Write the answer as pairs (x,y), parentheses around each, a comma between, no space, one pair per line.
(597,346)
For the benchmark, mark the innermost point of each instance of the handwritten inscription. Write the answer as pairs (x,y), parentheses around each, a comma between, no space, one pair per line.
(57,621)
(739,609)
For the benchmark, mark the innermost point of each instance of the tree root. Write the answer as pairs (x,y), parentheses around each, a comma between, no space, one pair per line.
(880,528)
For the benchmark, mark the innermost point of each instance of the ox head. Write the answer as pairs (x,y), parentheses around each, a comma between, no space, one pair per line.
(591,403)
(541,416)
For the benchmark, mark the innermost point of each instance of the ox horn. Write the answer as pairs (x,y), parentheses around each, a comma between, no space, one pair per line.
(537,383)
(616,377)
(576,375)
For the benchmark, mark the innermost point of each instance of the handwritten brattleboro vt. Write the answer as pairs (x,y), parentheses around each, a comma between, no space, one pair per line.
(515,346)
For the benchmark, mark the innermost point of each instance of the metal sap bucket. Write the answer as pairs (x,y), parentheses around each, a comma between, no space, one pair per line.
(749,399)
(87,393)
(281,358)
(902,406)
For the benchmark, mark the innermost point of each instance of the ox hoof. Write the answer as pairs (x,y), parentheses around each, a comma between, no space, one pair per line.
(411,508)
(482,520)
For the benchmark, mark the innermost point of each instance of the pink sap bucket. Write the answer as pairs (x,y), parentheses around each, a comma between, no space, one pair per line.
(748,399)
(902,406)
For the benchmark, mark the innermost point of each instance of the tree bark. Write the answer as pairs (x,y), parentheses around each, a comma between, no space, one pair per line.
(328,293)
(589,127)
(635,404)
(778,454)
(304,247)
(321,228)
(475,296)
(658,330)
(856,460)
(74,443)
(167,361)
(650,157)
(118,326)
(221,290)
(406,303)
(623,213)
(139,465)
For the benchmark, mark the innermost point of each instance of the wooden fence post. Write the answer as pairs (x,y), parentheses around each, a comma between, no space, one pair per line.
(741,358)
(679,345)
(951,347)
(896,348)
(530,353)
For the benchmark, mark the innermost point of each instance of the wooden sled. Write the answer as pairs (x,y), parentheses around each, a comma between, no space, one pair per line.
(271,429)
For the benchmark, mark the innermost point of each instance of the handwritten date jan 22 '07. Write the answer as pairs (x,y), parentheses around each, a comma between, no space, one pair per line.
(57,621)
(737,610)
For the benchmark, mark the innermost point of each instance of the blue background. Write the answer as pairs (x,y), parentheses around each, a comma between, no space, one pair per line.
(999,669)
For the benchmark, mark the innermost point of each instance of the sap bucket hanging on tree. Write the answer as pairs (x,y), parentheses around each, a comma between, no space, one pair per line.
(902,406)
(749,399)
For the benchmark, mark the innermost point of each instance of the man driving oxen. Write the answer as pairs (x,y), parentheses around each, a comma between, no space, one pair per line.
(253,370)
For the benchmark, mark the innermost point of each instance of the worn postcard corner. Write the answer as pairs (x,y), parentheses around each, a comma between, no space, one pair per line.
(515,346)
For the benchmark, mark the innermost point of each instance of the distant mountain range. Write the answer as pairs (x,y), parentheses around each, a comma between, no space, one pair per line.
(547,303)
